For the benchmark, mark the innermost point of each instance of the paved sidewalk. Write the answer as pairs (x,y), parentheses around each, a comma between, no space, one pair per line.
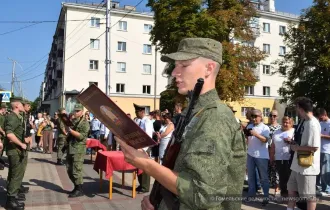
(49,185)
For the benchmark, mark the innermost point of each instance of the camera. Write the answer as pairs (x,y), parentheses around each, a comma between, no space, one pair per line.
(247,132)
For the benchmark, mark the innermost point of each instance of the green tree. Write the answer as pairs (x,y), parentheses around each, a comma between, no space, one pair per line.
(307,64)
(227,21)
(34,105)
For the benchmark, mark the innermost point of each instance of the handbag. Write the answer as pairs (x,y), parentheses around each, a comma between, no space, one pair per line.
(305,158)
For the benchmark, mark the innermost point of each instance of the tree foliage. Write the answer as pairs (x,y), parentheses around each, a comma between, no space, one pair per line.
(34,105)
(227,21)
(307,64)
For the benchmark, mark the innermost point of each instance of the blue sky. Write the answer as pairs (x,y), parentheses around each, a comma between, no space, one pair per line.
(29,45)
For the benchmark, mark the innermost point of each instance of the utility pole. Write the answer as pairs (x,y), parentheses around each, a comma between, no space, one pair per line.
(20,89)
(12,75)
(155,88)
(107,48)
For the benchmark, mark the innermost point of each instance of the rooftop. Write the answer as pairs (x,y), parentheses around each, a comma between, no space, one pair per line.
(115,6)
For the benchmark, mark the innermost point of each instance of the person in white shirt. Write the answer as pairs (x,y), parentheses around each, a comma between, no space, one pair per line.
(280,152)
(258,155)
(302,178)
(323,179)
(145,124)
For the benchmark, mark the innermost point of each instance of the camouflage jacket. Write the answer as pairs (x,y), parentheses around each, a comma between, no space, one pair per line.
(78,145)
(14,123)
(211,162)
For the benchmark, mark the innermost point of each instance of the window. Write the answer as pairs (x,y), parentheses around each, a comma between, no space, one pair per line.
(266,91)
(266,48)
(147,28)
(93,65)
(266,112)
(122,25)
(266,69)
(249,90)
(146,49)
(122,46)
(147,110)
(282,50)
(95,44)
(120,88)
(282,70)
(146,89)
(282,30)
(95,83)
(244,111)
(146,69)
(121,67)
(266,27)
(95,22)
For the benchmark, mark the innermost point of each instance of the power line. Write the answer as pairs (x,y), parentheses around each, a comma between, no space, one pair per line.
(8,32)
(89,43)
(44,21)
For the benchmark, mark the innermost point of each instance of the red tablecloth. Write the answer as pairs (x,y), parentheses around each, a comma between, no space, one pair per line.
(94,143)
(109,161)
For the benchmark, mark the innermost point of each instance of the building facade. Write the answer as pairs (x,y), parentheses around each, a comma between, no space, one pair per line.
(77,58)
(269,28)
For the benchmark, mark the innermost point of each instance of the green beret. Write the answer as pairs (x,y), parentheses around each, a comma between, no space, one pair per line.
(16,99)
(78,107)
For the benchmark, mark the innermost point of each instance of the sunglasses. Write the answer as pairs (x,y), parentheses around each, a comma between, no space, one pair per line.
(255,116)
(272,115)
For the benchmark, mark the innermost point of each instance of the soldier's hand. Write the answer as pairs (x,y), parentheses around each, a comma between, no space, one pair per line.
(27,140)
(145,204)
(133,156)
(23,146)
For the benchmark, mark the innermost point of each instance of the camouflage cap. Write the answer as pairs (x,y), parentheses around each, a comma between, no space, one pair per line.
(78,107)
(26,101)
(191,48)
(3,105)
(61,109)
(16,99)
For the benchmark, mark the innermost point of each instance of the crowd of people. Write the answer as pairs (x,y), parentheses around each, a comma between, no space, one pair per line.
(217,149)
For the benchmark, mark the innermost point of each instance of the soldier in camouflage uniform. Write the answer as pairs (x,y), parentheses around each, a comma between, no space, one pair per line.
(76,150)
(2,134)
(211,163)
(61,140)
(16,152)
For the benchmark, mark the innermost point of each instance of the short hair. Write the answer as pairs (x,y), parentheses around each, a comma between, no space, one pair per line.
(304,103)
(320,111)
(167,116)
(178,104)
(288,118)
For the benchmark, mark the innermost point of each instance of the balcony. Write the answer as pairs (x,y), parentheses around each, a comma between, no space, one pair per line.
(60,53)
(58,75)
(59,66)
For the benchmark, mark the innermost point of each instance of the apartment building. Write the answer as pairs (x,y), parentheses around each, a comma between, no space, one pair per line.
(77,58)
(269,29)
(136,71)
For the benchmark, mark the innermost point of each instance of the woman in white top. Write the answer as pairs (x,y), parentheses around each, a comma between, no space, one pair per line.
(280,152)
(165,133)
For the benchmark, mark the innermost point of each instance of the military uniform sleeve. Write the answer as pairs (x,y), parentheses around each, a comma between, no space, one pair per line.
(206,161)
(11,124)
(83,130)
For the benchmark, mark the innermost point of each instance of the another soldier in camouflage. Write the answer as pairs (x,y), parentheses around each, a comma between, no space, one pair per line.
(3,110)
(211,163)
(16,152)
(76,151)
(61,140)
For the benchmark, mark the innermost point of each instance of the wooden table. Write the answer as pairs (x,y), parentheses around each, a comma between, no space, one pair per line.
(109,161)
